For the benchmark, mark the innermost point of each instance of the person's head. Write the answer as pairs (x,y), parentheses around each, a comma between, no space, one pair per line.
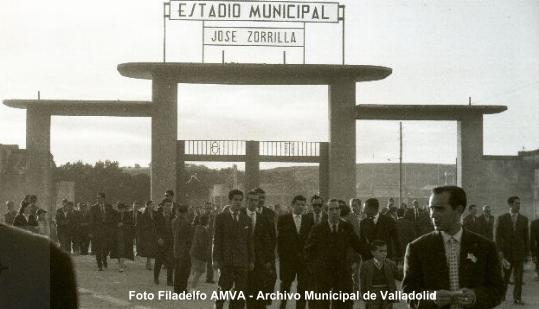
(169,195)
(204,220)
(150,205)
(298,204)
(235,197)
(316,204)
(446,205)
(345,209)
(101,197)
(390,202)
(355,204)
(10,206)
(261,196)
(372,206)
(65,202)
(24,208)
(514,204)
(70,205)
(334,211)
(486,210)
(415,204)
(252,200)
(472,209)
(166,205)
(378,249)
(393,211)
(33,199)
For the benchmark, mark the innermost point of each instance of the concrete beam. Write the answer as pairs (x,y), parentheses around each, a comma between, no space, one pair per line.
(86,107)
(423,112)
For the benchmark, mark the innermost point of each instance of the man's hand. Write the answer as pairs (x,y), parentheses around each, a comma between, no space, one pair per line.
(467,298)
(443,297)
(160,242)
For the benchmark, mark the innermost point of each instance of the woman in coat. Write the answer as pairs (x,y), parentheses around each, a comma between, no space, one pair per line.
(147,234)
(123,235)
(25,219)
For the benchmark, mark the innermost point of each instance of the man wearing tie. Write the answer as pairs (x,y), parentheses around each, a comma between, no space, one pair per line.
(486,222)
(100,227)
(512,234)
(470,222)
(317,214)
(293,230)
(419,218)
(264,250)
(326,252)
(462,268)
(233,249)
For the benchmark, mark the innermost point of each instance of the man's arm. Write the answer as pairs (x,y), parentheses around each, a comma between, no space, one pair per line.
(490,295)
(413,276)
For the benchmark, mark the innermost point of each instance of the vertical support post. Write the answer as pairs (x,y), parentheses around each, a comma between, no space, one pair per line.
(400,164)
(38,177)
(252,165)
(342,19)
(342,139)
(164,135)
(180,171)
(470,151)
(304,41)
(165,32)
(323,171)
(203,37)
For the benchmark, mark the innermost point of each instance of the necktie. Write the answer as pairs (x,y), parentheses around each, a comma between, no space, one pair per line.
(316,218)
(236,217)
(453,269)
(334,228)
(296,222)
(253,218)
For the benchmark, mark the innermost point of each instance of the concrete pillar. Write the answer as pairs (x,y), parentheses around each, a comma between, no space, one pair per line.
(164,135)
(38,176)
(252,165)
(470,171)
(323,171)
(180,171)
(342,139)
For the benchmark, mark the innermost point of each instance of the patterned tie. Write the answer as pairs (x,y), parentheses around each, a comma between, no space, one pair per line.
(453,269)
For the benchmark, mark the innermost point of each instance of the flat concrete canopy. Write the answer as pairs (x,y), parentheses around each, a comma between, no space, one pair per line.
(423,112)
(253,74)
(86,108)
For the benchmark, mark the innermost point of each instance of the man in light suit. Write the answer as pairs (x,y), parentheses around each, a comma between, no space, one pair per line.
(512,234)
(461,267)
(233,248)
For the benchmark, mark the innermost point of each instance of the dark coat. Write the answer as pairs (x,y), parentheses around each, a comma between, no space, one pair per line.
(514,244)
(385,229)
(426,269)
(269,216)
(123,235)
(534,238)
(182,231)
(290,244)
(101,224)
(201,242)
(30,225)
(407,232)
(390,270)
(420,219)
(486,226)
(326,253)
(263,239)
(232,242)
(472,223)
(164,232)
(62,219)
(9,217)
(146,234)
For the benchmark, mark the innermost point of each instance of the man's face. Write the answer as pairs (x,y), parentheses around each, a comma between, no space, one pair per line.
(371,211)
(298,207)
(252,201)
(444,217)
(334,211)
(317,205)
(391,202)
(169,196)
(261,199)
(515,207)
(235,202)
(356,206)
(380,253)
(486,210)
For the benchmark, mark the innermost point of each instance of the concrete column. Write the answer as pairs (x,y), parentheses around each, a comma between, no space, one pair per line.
(342,139)
(164,135)
(323,171)
(252,165)
(38,161)
(180,171)
(470,171)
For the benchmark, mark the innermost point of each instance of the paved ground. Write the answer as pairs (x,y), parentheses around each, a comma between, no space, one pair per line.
(110,288)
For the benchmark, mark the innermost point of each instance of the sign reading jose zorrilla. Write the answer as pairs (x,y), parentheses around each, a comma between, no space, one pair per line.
(260,11)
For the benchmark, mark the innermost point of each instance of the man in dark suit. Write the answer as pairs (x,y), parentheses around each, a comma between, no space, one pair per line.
(486,223)
(381,227)
(270,217)
(101,220)
(461,267)
(34,273)
(326,252)
(292,232)
(165,241)
(263,240)
(512,238)
(471,222)
(233,248)
(534,245)
(420,219)
(317,214)
(63,226)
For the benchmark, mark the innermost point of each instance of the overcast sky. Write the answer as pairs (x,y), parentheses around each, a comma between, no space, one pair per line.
(441,52)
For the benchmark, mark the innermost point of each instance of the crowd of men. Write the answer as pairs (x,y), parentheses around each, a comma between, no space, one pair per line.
(321,245)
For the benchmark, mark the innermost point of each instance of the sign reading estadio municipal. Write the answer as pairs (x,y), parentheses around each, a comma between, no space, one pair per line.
(259,11)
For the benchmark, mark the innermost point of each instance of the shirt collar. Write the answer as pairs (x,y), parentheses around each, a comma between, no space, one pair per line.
(249,213)
(457,236)
(377,263)
(231,211)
